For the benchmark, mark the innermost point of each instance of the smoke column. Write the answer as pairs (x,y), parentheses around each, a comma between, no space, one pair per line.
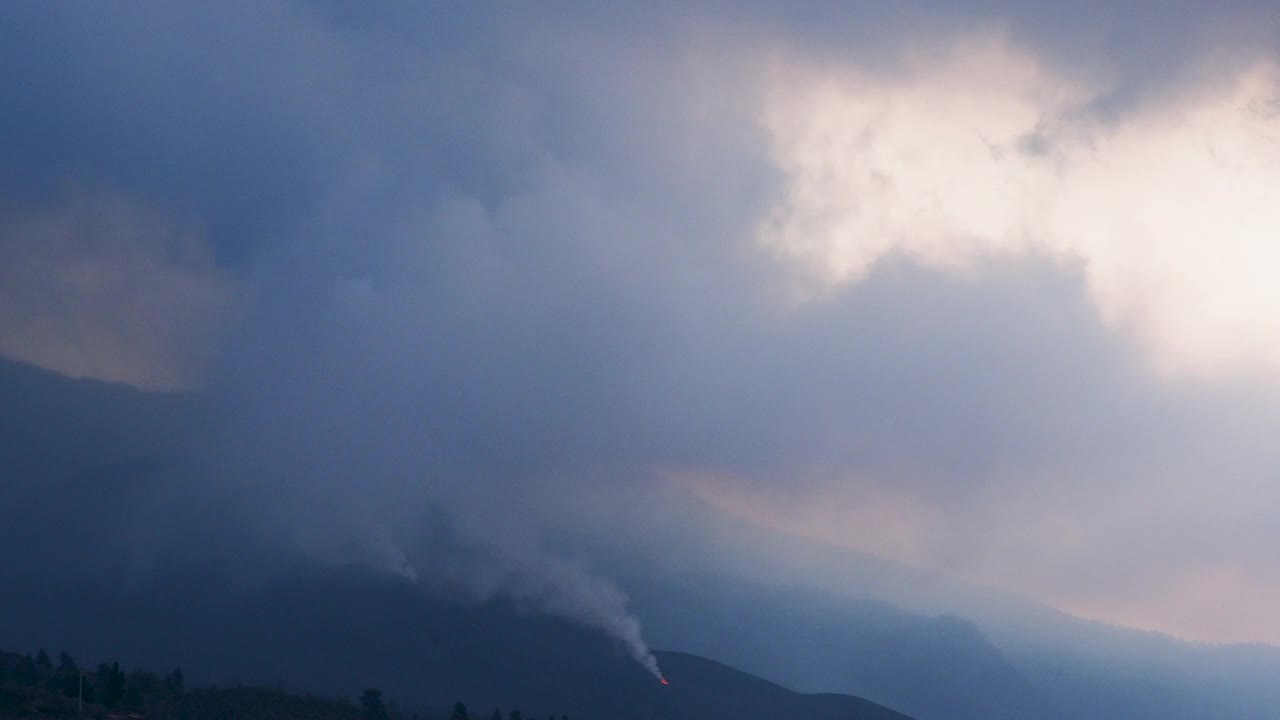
(551,584)
(576,595)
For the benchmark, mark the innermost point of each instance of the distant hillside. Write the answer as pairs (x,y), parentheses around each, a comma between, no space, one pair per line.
(702,688)
(337,632)
(78,461)
(931,667)
(816,616)
(56,425)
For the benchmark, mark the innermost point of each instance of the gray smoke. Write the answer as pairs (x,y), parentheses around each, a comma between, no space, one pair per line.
(563,588)
(464,250)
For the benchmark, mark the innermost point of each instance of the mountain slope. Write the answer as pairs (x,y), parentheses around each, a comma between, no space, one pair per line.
(702,688)
(931,667)
(338,631)
(800,611)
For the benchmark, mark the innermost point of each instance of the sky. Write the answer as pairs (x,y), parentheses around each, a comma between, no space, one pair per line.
(985,288)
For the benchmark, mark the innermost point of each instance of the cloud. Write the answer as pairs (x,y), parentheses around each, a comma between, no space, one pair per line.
(978,147)
(481,260)
(103,287)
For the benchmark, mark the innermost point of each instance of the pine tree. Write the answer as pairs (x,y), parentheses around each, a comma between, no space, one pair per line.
(25,673)
(174,681)
(113,684)
(44,666)
(67,664)
(371,701)
(66,676)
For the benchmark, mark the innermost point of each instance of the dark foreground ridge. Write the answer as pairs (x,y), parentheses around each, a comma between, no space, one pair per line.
(36,686)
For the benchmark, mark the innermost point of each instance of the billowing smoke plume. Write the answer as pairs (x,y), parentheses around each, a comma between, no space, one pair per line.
(378,448)
(337,481)
(565,589)
(495,552)
(454,251)
(413,316)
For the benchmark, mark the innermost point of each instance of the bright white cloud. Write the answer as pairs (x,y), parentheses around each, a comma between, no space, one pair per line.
(1173,206)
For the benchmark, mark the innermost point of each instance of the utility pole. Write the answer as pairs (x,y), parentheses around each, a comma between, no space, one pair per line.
(80,697)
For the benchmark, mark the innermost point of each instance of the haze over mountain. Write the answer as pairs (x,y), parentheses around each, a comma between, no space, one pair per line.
(100,578)
(924,354)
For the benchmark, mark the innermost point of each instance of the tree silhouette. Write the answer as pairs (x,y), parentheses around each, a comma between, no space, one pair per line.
(132,696)
(25,673)
(66,676)
(174,681)
(371,701)
(515,715)
(44,666)
(113,684)
(497,714)
(142,681)
(459,712)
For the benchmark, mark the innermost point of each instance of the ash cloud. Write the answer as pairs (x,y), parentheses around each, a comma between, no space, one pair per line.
(484,259)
